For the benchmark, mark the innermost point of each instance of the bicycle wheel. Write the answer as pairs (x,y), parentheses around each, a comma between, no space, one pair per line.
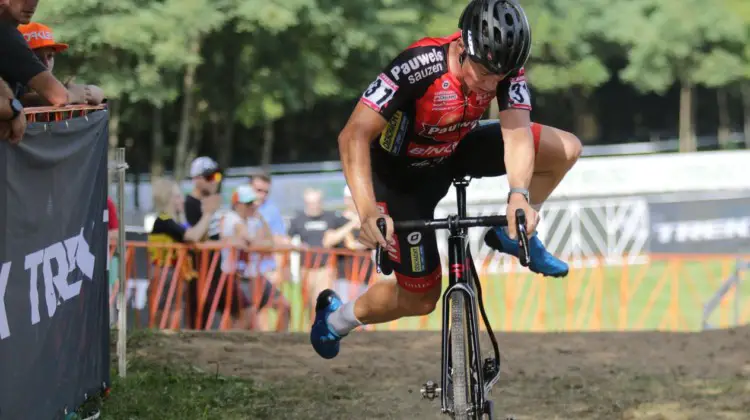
(459,371)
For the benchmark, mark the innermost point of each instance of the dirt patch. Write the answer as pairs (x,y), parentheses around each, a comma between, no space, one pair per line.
(635,376)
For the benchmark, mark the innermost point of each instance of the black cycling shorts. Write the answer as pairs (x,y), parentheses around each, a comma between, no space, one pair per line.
(413,193)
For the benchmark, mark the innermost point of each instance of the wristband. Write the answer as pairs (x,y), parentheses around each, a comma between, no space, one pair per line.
(522,191)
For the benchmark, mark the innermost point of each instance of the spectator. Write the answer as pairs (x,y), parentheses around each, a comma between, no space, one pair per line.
(206,176)
(113,223)
(113,232)
(20,68)
(41,40)
(311,226)
(168,228)
(261,184)
(355,270)
(12,118)
(255,286)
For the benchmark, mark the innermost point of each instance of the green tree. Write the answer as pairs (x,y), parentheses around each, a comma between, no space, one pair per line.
(565,59)
(674,41)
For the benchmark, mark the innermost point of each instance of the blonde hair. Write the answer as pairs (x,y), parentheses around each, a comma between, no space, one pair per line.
(163,190)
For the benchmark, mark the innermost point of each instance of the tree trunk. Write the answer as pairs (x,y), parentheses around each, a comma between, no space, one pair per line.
(188,102)
(746,108)
(268,139)
(113,108)
(585,126)
(723,104)
(225,143)
(157,142)
(687,138)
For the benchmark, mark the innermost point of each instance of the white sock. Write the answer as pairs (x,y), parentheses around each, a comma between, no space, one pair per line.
(343,320)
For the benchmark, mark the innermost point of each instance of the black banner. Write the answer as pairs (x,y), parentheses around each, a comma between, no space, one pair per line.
(720,226)
(54,317)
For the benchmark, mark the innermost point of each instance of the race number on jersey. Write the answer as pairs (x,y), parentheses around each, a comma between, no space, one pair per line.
(379,92)
(518,93)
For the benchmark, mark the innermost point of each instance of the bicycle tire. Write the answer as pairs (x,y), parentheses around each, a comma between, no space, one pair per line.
(459,371)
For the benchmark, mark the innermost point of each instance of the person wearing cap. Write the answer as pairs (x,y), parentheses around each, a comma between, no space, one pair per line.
(41,40)
(240,235)
(21,68)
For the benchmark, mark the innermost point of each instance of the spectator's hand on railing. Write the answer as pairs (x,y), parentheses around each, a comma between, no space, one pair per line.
(211,203)
(94,95)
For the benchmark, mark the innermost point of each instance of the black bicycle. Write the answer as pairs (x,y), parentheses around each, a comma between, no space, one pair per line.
(465,384)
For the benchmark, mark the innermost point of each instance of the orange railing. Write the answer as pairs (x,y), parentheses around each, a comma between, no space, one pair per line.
(194,291)
(52,113)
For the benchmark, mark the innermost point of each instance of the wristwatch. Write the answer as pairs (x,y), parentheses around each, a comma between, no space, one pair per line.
(16,107)
(522,191)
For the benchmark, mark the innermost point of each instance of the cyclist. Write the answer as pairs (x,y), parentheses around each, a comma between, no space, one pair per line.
(414,129)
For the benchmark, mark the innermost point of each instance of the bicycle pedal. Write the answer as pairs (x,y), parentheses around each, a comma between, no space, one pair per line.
(430,390)
(491,367)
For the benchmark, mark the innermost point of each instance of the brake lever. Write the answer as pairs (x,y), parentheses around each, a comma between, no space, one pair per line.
(523,240)
(381,256)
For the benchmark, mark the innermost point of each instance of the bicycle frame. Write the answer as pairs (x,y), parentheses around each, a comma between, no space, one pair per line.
(461,273)
(460,281)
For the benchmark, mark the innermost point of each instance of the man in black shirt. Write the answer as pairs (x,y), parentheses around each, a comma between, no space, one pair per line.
(311,226)
(206,176)
(20,67)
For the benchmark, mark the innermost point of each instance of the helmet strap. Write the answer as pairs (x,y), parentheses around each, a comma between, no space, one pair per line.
(462,57)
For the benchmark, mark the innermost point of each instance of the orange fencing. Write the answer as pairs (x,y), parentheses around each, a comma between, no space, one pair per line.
(53,113)
(275,290)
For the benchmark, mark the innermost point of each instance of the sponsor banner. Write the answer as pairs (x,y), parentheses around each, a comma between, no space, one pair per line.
(54,317)
(633,175)
(701,226)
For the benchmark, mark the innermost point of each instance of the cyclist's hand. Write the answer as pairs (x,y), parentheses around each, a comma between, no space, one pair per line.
(517,201)
(369,234)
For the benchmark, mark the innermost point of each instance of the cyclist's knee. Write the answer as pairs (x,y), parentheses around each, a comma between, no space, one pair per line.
(421,293)
(558,149)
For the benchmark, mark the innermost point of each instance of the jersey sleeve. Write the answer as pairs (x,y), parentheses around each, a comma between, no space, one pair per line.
(513,92)
(406,78)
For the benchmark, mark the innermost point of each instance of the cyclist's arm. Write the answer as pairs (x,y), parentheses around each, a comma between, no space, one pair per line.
(514,101)
(390,90)
(519,147)
(354,147)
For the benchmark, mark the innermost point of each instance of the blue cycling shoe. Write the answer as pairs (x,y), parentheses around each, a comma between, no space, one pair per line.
(542,262)
(324,340)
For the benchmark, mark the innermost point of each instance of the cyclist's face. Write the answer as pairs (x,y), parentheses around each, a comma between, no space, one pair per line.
(478,79)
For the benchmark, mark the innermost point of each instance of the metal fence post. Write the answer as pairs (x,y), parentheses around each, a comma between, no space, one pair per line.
(119,167)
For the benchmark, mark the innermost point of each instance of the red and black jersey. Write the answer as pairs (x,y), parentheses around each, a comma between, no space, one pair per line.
(428,114)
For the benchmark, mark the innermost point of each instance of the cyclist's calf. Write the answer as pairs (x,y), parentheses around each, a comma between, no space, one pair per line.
(388,300)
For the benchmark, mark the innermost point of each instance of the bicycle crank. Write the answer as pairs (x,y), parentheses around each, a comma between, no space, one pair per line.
(430,390)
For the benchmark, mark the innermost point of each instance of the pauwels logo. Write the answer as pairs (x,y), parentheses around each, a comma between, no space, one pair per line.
(419,66)
(436,131)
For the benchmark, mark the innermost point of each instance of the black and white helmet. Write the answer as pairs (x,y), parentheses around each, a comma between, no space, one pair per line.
(496,34)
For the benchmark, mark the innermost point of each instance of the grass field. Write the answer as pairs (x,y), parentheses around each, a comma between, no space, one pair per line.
(662,295)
